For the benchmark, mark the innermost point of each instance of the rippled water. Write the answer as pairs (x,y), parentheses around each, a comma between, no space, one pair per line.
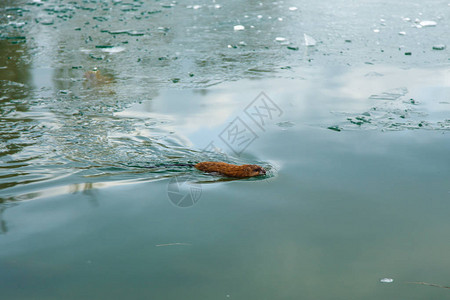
(99,100)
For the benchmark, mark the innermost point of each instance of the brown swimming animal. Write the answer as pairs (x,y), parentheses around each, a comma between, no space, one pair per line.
(230,170)
(219,168)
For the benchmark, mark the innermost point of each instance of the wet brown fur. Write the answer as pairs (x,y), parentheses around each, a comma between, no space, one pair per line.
(230,170)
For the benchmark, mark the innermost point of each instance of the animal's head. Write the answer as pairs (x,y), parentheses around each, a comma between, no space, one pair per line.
(254,170)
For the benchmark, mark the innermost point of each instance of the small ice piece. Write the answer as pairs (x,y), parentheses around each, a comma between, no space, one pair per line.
(196,6)
(17,24)
(428,23)
(286,124)
(113,50)
(217,6)
(386,280)
(309,40)
(335,128)
(439,47)
(406,19)
(293,8)
(48,21)
(135,33)
(402,33)
(376,30)
(238,27)
(280,19)
(280,39)
(373,74)
(259,17)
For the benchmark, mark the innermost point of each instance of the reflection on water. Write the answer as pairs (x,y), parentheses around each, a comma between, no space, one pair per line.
(19,129)
(3,225)
(77,143)
(89,134)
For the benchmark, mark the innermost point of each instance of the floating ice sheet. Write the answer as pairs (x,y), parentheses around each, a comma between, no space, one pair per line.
(390,95)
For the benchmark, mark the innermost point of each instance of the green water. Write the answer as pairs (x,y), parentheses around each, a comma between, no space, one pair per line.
(355,141)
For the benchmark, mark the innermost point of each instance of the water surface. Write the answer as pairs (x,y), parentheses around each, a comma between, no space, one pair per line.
(353,132)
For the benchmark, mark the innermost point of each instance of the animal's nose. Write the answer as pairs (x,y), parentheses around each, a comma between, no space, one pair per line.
(262,171)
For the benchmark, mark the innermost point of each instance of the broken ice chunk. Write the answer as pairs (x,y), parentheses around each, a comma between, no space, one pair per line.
(309,40)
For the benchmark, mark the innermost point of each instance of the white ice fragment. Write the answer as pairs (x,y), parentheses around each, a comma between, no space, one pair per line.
(407,19)
(280,39)
(217,6)
(428,23)
(293,8)
(196,6)
(439,47)
(376,30)
(280,19)
(386,280)
(17,24)
(259,17)
(238,27)
(113,50)
(402,33)
(309,40)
